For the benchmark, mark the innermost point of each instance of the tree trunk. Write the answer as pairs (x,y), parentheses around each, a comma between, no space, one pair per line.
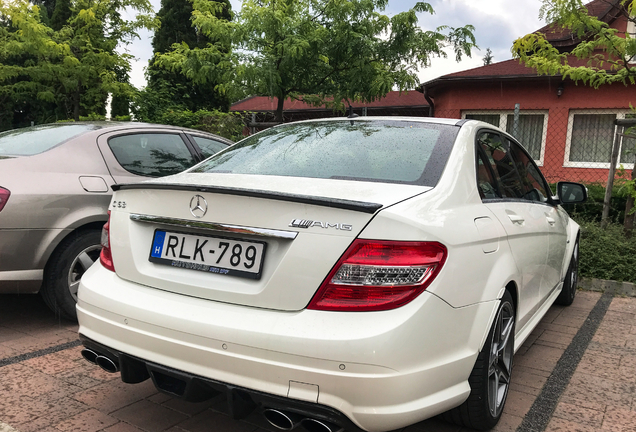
(76,104)
(628,222)
(279,108)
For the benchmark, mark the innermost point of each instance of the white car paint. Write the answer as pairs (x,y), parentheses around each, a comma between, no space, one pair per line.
(383,370)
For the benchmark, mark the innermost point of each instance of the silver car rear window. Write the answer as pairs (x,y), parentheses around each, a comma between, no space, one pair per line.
(37,139)
(379,150)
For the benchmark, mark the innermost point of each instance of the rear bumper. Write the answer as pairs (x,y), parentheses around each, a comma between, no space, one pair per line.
(192,388)
(380,370)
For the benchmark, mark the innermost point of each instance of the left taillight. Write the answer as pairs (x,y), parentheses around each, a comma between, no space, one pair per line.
(105,257)
(376,275)
(4,197)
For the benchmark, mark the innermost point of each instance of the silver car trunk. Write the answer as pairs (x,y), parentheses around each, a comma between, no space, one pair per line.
(302,234)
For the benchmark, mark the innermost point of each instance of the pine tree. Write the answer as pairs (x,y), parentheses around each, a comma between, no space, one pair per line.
(177,90)
(61,14)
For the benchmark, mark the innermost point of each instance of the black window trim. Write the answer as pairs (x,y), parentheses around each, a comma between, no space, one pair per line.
(190,137)
(503,135)
(193,152)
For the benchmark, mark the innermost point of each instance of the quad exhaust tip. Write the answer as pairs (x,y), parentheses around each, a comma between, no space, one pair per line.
(107,364)
(90,355)
(287,421)
(100,360)
(314,425)
(282,420)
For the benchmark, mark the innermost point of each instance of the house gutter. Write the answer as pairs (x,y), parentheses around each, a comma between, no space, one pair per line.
(431,104)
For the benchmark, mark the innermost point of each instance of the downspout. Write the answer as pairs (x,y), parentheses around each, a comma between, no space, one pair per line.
(431,104)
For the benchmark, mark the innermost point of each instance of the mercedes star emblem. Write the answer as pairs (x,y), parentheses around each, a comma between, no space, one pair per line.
(198,206)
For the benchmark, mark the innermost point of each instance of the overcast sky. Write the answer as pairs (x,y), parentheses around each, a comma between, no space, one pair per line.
(497,24)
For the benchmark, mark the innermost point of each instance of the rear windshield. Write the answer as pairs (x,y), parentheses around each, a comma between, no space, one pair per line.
(369,150)
(37,139)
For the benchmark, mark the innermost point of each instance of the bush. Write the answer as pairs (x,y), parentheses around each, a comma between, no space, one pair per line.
(592,209)
(229,125)
(606,253)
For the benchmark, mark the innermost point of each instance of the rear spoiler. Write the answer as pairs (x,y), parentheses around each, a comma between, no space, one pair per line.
(359,206)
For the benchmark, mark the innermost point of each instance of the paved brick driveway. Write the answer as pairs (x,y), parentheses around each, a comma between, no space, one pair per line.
(46,386)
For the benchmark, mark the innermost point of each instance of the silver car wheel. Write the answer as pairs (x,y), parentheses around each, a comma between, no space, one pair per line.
(574,270)
(500,363)
(80,264)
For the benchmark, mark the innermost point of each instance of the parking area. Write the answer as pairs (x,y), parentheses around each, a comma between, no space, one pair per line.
(576,372)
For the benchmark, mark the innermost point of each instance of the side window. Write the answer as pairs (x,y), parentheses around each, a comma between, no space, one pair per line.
(151,154)
(498,153)
(208,146)
(487,185)
(534,185)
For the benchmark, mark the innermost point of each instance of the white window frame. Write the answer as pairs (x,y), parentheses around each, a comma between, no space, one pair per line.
(620,114)
(503,123)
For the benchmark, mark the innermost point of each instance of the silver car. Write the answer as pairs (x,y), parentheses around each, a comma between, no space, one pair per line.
(55,188)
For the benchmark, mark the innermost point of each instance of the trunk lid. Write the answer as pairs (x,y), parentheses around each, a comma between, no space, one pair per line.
(301,227)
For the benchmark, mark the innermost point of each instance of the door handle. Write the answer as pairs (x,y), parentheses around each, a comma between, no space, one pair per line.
(550,220)
(516,219)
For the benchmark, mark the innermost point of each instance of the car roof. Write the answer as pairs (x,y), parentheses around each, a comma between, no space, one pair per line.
(112,126)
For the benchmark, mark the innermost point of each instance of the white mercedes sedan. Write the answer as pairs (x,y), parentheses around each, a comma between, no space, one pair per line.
(354,273)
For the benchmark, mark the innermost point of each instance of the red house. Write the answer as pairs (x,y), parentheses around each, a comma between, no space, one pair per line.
(567,128)
(395,103)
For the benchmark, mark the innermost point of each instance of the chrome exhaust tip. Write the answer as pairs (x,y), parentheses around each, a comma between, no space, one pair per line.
(314,425)
(90,355)
(107,364)
(281,420)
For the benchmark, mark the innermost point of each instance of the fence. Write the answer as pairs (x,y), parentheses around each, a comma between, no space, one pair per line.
(573,145)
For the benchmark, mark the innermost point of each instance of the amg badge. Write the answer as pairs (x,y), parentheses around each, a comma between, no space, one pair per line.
(303,223)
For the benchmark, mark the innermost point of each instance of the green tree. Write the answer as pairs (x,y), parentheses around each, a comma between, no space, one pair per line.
(75,67)
(607,52)
(61,14)
(609,56)
(488,58)
(169,89)
(324,51)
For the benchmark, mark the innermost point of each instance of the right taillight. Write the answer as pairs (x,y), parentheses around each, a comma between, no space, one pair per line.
(376,275)
(105,257)
(4,197)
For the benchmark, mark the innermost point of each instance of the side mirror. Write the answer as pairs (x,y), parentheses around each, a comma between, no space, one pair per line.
(570,193)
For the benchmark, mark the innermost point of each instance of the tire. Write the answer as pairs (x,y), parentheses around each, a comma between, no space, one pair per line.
(65,268)
(571,280)
(490,378)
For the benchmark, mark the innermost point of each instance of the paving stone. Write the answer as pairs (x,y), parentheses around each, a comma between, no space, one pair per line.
(210,420)
(122,427)
(540,357)
(149,416)
(595,392)
(518,403)
(25,381)
(88,421)
(112,396)
(508,423)
(560,425)
(586,300)
(57,411)
(578,414)
(619,419)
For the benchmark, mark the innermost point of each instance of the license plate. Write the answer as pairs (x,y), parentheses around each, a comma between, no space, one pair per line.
(219,255)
